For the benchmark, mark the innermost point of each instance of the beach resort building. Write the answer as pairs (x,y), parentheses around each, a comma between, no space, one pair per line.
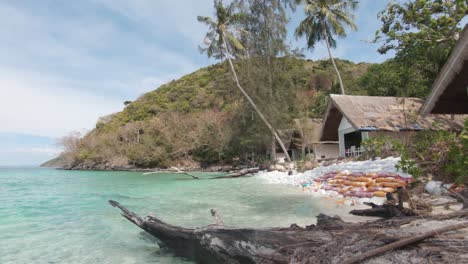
(449,93)
(352,119)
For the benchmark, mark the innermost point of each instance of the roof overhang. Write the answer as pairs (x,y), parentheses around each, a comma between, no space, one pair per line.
(331,121)
(449,94)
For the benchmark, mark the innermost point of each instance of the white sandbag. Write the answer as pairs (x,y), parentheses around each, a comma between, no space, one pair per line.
(435,188)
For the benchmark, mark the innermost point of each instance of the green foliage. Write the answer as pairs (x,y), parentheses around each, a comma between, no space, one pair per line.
(458,155)
(393,78)
(408,165)
(206,155)
(203,117)
(422,33)
(382,147)
(440,153)
(419,24)
(222,29)
(326,19)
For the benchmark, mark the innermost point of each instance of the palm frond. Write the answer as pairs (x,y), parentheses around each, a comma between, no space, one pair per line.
(325,19)
(234,41)
(224,25)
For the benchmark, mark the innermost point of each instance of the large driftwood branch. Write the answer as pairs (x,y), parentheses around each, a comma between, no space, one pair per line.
(388,210)
(330,241)
(240,173)
(186,173)
(173,170)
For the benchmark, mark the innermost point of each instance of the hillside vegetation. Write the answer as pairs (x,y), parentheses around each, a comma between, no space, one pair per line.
(201,118)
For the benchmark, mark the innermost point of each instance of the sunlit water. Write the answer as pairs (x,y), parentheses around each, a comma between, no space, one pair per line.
(55,216)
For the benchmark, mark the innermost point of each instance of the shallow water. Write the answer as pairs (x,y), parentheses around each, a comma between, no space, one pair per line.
(56,216)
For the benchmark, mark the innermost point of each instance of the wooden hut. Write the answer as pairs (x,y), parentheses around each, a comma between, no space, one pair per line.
(352,119)
(303,139)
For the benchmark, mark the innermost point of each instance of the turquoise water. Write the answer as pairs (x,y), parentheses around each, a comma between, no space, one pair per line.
(55,216)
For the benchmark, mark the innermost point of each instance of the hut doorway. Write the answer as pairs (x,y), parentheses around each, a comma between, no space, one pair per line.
(352,142)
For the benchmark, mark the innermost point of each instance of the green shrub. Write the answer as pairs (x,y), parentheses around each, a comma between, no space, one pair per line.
(442,153)
(206,155)
(458,155)
(382,147)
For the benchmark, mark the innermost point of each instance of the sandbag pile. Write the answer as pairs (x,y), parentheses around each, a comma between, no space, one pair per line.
(358,184)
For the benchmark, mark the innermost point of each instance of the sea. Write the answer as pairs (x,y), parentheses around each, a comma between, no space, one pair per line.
(58,216)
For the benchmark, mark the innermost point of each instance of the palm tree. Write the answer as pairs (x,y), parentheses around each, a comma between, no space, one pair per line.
(324,19)
(219,40)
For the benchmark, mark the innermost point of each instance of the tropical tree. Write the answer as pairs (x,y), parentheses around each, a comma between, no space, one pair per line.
(222,43)
(324,20)
(421,33)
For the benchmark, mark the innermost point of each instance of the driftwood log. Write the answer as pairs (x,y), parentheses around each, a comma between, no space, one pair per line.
(237,174)
(173,170)
(241,173)
(387,210)
(331,240)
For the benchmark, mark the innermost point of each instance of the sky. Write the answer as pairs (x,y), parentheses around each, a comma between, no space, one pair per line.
(63,64)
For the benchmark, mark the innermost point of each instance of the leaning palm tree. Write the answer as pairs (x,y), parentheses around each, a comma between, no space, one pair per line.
(221,43)
(324,19)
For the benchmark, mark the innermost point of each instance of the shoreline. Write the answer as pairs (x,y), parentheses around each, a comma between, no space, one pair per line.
(134,169)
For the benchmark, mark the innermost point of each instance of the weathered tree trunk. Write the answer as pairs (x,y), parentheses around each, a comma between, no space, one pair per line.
(333,61)
(273,149)
(241,173)
(330,241)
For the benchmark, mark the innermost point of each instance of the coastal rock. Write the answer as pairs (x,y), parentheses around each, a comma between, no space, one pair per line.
(277,167)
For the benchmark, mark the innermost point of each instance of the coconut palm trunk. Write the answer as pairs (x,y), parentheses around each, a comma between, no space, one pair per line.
(333,61)
(254,106)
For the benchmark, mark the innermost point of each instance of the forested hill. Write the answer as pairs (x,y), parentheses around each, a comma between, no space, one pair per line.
(201,118)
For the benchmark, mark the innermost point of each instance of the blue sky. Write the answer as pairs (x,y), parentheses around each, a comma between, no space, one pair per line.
(63,64)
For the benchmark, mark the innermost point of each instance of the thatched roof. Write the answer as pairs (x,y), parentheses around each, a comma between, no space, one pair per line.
(309,129)
(304,130)
(450,90)
(377,113)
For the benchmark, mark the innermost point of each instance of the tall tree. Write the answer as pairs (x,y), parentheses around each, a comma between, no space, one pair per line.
(324,20)
(421,33)
(222,43)
(263,70)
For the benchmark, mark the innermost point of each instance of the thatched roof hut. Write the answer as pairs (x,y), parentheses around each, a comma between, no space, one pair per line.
(378,113)
(352,119)
(450,90)
(304,137)
(303,131)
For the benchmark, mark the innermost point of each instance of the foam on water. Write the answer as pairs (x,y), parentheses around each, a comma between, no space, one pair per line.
(54,216)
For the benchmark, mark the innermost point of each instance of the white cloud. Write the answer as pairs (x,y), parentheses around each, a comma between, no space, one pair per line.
(38,106)
(59,73)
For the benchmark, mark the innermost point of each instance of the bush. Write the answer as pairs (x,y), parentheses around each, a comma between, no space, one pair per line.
(440,153)
(458,155)
(382,147)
